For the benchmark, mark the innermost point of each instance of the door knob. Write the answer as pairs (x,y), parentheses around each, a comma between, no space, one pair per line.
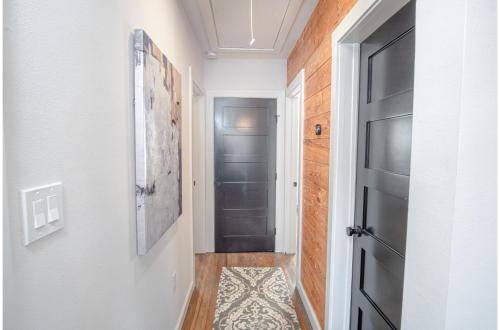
(354,231)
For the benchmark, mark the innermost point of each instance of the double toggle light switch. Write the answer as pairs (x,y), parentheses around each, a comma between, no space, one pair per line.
(41,211)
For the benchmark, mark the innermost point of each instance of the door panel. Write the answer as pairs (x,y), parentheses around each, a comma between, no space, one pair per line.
(370,319)
(382,174)
(245,117)
(389,142)
(245,165)
(257,225)
(245,145)
(389,68)
(245,171)
(381,279)
(385,218)
(244,195)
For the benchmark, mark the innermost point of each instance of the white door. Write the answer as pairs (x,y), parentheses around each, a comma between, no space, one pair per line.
(198,184)
(292,182)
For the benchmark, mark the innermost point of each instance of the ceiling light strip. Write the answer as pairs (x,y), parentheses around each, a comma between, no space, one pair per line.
(251,23)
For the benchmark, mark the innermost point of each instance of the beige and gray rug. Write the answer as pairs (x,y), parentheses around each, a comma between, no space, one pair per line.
(254,298)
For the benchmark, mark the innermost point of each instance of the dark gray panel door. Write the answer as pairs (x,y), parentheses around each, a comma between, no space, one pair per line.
(245,167)
(383,169)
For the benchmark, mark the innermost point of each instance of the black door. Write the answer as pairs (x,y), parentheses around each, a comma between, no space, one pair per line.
(245,167)
(383,170)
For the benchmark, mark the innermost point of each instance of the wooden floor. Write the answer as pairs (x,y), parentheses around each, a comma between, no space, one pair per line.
(200,313)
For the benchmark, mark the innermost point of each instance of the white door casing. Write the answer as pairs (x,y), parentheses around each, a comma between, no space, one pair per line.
(208,145)
(362,20)
(197,111)
(293,161)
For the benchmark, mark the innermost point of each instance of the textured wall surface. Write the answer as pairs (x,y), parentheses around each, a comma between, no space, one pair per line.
(225,74)
(450,272)
(313,53)
(69,116)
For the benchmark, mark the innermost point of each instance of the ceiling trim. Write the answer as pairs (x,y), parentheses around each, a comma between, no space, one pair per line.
(202,18)
(214,23)
(281,24)
(298,26)
(205,6)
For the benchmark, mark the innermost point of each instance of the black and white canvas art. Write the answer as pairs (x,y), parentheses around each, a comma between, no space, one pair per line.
(158,110)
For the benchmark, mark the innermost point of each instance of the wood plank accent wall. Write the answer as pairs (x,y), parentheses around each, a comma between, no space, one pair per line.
(313,53)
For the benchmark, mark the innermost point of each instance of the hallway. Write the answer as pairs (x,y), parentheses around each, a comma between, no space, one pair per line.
(250,165)
(208,268)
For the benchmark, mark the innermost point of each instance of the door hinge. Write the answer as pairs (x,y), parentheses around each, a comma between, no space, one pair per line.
(275,176)
(274,231)
(276,118)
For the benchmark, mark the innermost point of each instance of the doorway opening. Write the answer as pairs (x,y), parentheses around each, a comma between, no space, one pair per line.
(245,174)
(363,20)
(294,127)
(293,162)
(206,150)
(198,167)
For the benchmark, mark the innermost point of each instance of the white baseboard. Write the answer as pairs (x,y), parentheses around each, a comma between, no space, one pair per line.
(308,307)
(185,306)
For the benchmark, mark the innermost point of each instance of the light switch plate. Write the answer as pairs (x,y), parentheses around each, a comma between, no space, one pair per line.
(42,211)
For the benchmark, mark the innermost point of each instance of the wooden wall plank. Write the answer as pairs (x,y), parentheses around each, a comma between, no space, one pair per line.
(318,80)
(312,52)
(318,103)
(345,6)
(316,173)
(316,152)
(319,57)
(315,195)
(310,124)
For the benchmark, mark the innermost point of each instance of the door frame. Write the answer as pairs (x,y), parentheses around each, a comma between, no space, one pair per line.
(365,17)
(195,91)
(292,244)
(297,88)
(279,95)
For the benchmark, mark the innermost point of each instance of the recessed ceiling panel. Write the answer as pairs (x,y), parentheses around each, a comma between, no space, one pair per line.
(223,26)
(232,22)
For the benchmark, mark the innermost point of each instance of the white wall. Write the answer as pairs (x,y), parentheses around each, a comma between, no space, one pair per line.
(450,275)
(69,117)
(245,74)
(241,78)
(472,284)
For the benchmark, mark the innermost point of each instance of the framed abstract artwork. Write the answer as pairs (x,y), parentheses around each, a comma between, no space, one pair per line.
(158,149)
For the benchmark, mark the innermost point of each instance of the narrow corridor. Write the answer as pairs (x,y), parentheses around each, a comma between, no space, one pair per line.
(200,313)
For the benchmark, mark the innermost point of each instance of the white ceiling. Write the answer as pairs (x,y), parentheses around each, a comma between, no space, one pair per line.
(223,26)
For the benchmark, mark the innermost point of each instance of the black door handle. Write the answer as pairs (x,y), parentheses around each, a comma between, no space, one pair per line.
(354,231)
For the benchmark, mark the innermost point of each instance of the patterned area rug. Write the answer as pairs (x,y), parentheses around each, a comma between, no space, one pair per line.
(254,298)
